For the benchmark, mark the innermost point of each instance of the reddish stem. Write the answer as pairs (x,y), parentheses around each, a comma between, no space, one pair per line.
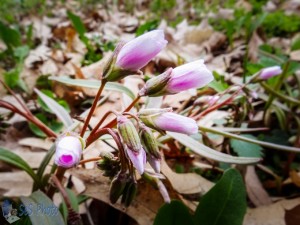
(112,123)
(87,121)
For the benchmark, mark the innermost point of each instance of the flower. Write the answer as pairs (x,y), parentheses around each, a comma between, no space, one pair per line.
(129,134)
(187,76)
(168,121)
(137,53)
(132,143)
(269,72)
(138,159)
(68,151)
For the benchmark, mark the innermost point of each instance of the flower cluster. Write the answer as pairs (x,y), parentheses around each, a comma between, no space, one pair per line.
(135,139)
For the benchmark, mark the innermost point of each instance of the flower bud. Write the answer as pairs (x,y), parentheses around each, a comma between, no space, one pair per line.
(138,159)
(148,141)
(129,134)
(168,121)
(155,85)
(154,162)
(68,150)
(137,53)
(129,193)
(269,72)
(117,187)
(187,76)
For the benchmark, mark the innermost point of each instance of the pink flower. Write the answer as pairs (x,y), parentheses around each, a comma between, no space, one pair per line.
(138,159)
(169,121)
(137,53)
(269,72)
(187,76)
(68,151)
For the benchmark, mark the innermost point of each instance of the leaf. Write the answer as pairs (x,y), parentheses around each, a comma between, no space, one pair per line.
(10,37)
(15,160)
(246,149)
(77,23)
(207,152)
(174,213)
(74,203)
(56,108)
(44,164)
(52,124)
(111,86)
(41,210)
(225,203)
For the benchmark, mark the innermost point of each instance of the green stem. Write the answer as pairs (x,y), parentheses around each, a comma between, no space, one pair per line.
(279,95)
(277,86)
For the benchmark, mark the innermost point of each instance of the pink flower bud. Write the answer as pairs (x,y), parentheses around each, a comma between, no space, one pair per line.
(137,53)
(68,151)
(169,121)
(138,159)
(269,72)
(187,76)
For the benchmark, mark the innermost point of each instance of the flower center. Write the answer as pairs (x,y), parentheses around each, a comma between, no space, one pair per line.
(66,158)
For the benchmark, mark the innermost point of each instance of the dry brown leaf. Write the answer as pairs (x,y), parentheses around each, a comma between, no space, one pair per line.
(253,45)
(255,190)
(15,184)
(295,55)
(36,143)
(272,214)
(186,183)
(295,177)
(143,208)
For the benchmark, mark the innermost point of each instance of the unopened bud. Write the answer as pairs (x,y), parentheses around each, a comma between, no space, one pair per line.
(129,193)
(117,187)
(148,141)
(168,121)
(155,85)
(68,150)
(129,134)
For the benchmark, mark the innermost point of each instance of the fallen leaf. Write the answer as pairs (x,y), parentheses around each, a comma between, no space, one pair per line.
(255,190)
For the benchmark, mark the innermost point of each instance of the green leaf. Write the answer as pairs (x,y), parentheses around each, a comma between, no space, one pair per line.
(42,210)
(56,108)
(74,203)
(77,23)
(207,152)
(43,165)
(174,213)
(295,45)
(21,52)
(246,149)
(147,26)
(110,86)
(10,37)
(225,203)
(50,94)
(52,124)
(15,160)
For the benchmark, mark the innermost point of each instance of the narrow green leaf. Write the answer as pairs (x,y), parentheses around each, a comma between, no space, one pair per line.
(77,23)
(15,160)
(174,213)
(43,165)
(262,143)
(56,108)
(246,149)
(42,210)
(10,37)
(207,152)
(110,86)
(225,203)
